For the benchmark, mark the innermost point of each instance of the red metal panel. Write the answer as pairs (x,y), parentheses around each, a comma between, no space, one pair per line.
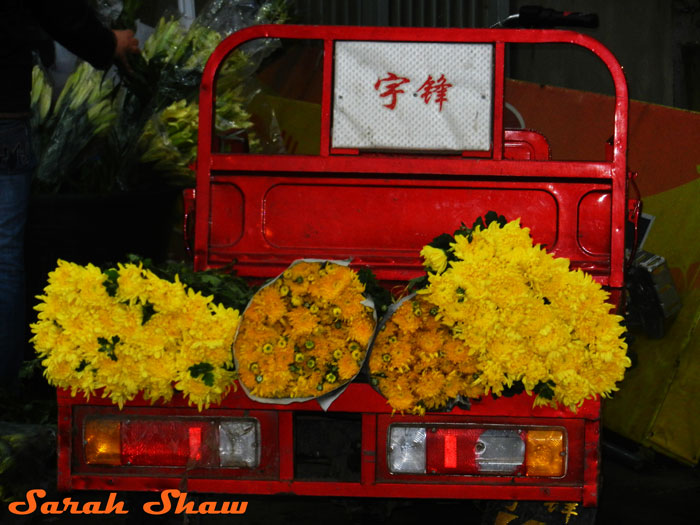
(447,166)
(594,216)
(522,144)
(65,442)
(410,207)
(369,449)
(326,97)
(591,479)
(495,491)
(340,218)
(375,166)
(357,398)
(498,87)
(286,446)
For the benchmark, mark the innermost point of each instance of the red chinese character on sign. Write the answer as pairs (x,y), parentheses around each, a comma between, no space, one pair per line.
(391,88)
(438,88)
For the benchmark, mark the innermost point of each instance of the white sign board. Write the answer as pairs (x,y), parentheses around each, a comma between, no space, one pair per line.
(416,96)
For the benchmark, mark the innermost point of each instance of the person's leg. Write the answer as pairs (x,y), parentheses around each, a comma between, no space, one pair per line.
(17,163)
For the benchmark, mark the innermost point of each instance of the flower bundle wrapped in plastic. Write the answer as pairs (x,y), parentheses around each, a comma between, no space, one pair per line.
(85,109)
(128,331)
(415,361)
(526,320)
(305,334)
(175,57)
(169,139)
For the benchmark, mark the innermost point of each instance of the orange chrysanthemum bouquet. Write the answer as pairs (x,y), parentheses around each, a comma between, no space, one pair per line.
(305,334)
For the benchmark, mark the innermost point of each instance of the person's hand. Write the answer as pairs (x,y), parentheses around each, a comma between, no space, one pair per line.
(126,43)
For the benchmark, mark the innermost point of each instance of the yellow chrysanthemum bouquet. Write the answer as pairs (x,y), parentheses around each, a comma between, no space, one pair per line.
(128,331)
(520,317)
(305,334)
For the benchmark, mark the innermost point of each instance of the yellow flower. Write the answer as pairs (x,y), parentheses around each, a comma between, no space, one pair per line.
(301,321)
(434,259)
(128,331)
(348,367)
(269,301)
(430,384)
(526,317)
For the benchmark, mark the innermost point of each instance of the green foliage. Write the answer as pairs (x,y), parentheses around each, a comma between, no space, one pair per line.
(108,346)
(545,390)
(513,390)
(111,282)
(32,401)
(147,311)
(382,297)
(226,288)
(205,370)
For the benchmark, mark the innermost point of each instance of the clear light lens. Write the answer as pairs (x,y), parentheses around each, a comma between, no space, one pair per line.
(499,451)
(239,443)
(406,450)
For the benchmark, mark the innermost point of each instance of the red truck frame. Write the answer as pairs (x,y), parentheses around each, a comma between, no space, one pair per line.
(378,208)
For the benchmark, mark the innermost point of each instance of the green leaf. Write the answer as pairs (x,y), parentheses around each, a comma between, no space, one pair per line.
(110,283)
(108,346)
(417,284)
(128,15)
(545,390)
(210,279)
(147,311)
(205,370)
(442,242)
(381,296)
(227,288)
(492,216)
(516,388)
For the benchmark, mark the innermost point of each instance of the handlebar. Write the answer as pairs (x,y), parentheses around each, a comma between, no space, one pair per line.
(534,16)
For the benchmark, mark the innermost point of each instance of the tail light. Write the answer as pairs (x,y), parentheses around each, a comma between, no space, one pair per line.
(172,442)
(471,450)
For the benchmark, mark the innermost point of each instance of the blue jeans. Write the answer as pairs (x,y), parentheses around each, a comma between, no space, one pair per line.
(17,164)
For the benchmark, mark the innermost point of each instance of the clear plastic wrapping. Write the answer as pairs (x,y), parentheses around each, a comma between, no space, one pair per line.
(108,134)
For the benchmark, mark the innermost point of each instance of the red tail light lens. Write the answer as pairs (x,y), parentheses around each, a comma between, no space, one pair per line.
(169,443)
